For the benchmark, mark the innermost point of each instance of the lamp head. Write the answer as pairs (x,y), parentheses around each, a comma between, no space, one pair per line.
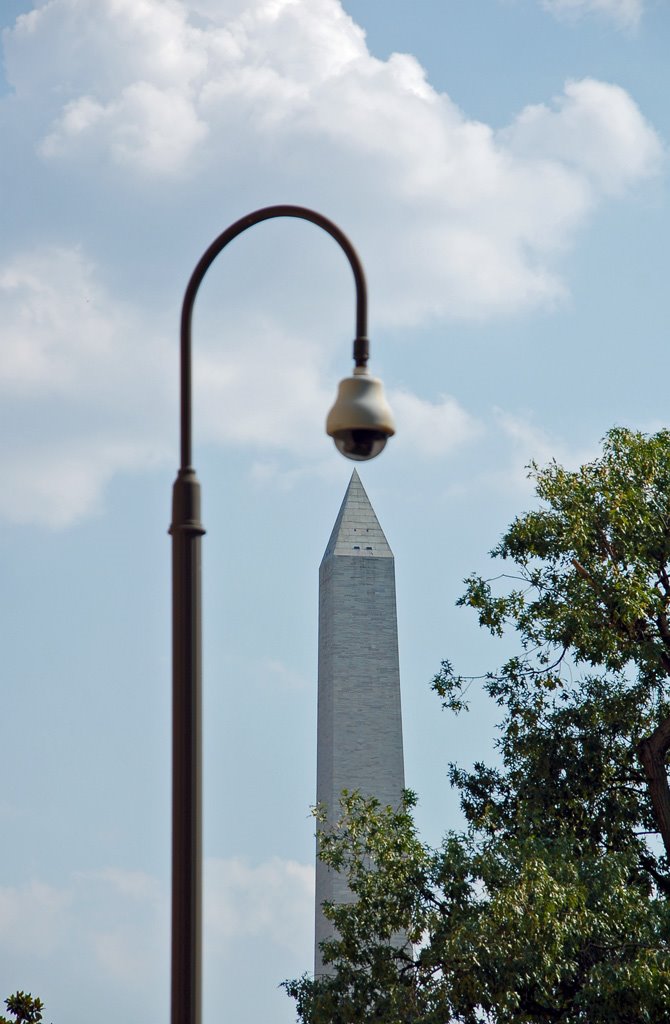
(360,422)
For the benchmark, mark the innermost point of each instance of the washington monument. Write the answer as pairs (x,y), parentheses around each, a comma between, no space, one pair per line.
(359,735)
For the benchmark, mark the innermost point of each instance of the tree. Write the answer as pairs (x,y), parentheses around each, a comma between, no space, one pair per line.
(23,1008)
(552,904)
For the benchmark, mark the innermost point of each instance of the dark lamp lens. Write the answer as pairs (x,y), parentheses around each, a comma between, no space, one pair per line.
(360,444)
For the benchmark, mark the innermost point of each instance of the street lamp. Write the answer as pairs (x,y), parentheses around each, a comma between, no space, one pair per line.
(360,423)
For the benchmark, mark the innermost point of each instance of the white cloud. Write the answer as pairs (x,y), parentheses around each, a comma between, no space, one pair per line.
(105,382)
(132,40)
(274,474)
(110,923)
(148,129)
(75,370)
(66,337)
(60,480)
(133,885)
(509,443)
(143,99)
(624,13)
(595,126)
(454,218)
(432,429)
(280,676)
(530,443)
(111,927)
(274,899)
(128,925)
(31,917)
(267,392)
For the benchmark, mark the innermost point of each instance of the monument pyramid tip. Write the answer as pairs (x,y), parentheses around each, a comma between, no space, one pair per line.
(357,531)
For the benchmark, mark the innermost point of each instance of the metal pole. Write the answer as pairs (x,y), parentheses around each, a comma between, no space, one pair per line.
(186,531)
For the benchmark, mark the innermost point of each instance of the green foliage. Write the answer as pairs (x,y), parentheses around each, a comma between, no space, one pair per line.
(23,1008)
(505,930)
(593,562)
(552,905)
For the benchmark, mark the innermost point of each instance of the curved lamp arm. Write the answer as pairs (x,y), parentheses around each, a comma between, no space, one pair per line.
(361,344)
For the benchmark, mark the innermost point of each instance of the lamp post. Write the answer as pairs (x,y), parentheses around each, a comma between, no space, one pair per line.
(360,423)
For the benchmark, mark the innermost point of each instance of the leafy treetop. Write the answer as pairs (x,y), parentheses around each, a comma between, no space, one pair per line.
(552,905)
(23,1008)
(594,568)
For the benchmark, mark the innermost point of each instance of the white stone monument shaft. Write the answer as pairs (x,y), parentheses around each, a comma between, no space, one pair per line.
(359,736)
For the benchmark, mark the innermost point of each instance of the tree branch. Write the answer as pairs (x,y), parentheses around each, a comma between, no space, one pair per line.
(662,881)
(640,630)
(663,628)
(584,574)
(652,752)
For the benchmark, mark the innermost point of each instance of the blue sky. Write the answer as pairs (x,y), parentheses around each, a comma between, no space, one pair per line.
(501,166)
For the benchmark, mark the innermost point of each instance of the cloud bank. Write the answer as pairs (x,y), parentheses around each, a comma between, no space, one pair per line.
(625,13)
(104,935)
(460,219)
(130,114)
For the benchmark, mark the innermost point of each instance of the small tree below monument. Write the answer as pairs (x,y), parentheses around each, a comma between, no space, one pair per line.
(24,1009)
